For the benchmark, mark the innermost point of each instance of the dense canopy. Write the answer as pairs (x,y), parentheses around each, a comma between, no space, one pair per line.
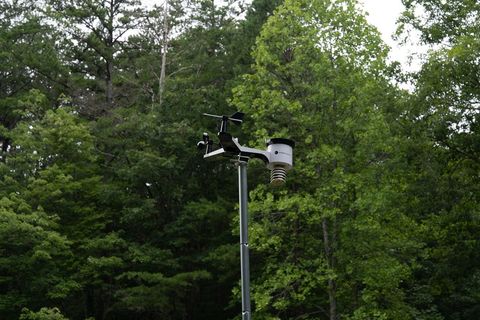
(108,211)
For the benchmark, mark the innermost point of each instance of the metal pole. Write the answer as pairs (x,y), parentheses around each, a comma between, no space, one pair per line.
(244,254)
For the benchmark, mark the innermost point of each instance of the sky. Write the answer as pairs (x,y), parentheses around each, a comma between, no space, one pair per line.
(383,15)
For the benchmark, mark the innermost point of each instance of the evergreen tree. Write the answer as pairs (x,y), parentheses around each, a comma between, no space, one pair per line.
(32,76)
(94,35)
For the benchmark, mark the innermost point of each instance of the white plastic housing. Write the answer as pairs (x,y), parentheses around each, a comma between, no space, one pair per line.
(281,155)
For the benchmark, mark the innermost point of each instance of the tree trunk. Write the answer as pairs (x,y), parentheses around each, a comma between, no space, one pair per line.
(89,302)
(109,84)
(161,82)
(109,56)
(332,285)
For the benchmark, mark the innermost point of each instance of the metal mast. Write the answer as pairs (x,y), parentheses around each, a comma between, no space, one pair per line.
(278,157)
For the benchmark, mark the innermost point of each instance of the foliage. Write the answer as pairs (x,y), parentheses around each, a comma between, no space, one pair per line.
(33,257)
(108,212)
(43,314)
(325,86)
(446,105)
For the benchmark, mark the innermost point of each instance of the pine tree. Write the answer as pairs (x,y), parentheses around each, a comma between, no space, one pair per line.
(95,32)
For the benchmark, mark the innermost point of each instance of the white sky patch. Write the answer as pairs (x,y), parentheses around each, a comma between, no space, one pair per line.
(384,14)
(151,3)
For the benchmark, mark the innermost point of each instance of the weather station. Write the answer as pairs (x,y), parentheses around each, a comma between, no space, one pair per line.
(278,158)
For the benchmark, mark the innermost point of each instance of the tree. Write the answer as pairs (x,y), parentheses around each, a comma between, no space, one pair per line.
(256,15)
(334,243)
(34,256)
(95,31)
(446,113)
(443,21)
(31,74)
(42,314)
(150,181)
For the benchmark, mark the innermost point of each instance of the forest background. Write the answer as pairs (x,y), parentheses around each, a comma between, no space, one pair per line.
(107,211)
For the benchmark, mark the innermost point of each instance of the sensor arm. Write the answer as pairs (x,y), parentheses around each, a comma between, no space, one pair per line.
(255,153)
(230,147)
(244,152)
